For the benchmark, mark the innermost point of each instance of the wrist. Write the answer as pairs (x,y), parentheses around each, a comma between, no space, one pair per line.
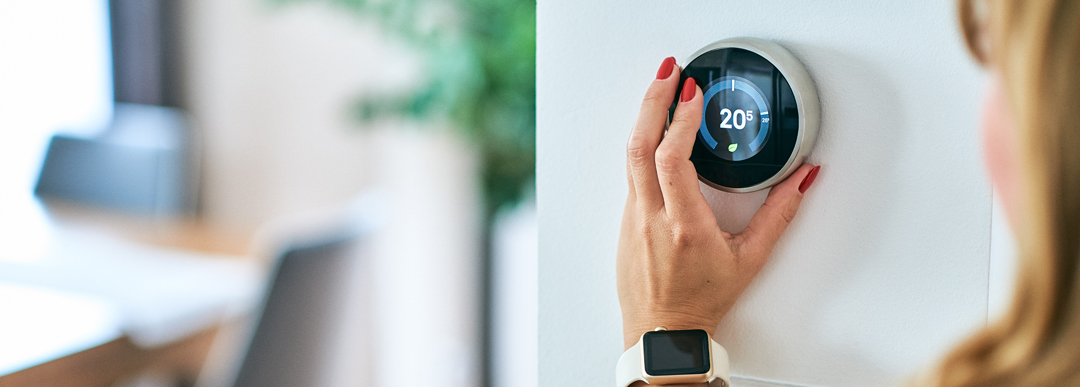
(686,357)
(633,328)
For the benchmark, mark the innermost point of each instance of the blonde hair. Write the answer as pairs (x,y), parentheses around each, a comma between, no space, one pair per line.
(1034,45)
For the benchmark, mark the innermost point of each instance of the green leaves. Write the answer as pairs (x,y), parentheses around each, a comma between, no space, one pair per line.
(481,66)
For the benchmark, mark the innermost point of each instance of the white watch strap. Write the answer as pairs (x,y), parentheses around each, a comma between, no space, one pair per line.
(631,367)
(721,376)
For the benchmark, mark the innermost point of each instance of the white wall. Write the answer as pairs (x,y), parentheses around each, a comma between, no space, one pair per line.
(270,88)
(886,265)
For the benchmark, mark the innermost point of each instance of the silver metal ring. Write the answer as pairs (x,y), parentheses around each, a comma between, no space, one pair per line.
(806,97)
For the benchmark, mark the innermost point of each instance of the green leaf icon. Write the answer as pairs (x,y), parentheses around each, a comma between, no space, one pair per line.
(731,148)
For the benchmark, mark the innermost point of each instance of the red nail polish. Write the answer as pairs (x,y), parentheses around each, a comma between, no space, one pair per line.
(689,90)
(665,68)
(809,179)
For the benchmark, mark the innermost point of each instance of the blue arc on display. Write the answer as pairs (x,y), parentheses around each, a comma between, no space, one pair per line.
(737,152)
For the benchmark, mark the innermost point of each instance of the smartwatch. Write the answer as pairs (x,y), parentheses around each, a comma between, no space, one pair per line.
(670,357)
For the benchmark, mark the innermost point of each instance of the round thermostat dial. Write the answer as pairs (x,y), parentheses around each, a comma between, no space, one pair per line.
(761,114)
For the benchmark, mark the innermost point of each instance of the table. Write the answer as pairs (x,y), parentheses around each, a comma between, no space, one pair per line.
(105,364)
(107,297)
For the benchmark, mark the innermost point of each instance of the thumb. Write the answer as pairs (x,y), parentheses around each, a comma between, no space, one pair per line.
(756,242)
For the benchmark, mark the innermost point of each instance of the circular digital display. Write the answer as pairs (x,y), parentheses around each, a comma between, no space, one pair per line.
(735,125)
(760,114)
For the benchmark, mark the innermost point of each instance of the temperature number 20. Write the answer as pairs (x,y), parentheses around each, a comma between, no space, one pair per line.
(738,118)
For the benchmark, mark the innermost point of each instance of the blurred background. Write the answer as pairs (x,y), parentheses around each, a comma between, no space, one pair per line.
(267,193)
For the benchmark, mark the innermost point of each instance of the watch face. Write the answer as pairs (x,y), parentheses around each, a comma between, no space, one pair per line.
(750,121)
(676,352)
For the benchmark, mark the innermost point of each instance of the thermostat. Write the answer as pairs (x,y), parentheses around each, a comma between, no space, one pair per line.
(761,114)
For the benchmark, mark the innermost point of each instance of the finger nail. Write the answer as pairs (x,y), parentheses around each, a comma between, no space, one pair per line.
(688,90)
(665,68)
(809,179)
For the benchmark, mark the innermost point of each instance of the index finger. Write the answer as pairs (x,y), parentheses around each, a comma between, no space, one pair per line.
(676,173)
(645,137)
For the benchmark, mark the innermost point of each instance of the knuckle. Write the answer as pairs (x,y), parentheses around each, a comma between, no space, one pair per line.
(749,257)
(637,152)
(679,121)
(654,95)
(788,213)
(682,234)
(741,246)
(685,115)
(666,161)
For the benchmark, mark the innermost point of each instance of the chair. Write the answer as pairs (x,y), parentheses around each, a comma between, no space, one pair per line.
(311,327)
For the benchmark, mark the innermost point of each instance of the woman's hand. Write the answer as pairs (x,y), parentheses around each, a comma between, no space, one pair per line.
(676,268)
